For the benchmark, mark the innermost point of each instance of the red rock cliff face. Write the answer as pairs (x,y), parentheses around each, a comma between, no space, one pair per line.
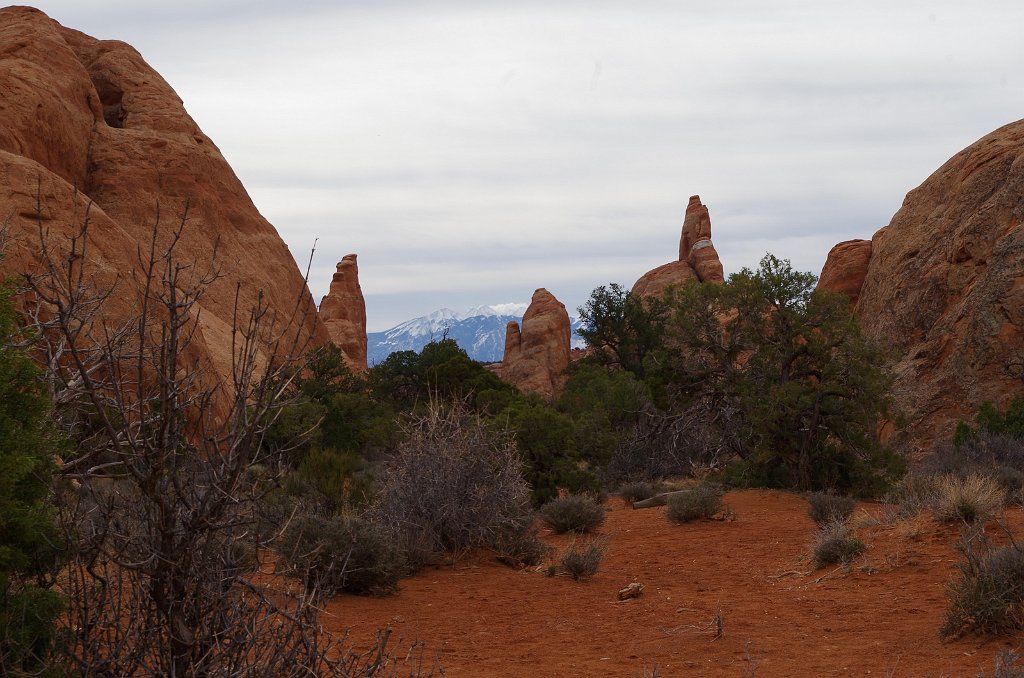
(698,259)
(944,289)
(536,356)
(343,312)
(86,122)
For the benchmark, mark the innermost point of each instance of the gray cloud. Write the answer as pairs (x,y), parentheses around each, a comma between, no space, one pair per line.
(473,151)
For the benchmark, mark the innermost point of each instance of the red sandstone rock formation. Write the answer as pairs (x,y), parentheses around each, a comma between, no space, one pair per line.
(656,282)
(944,289)
(343,312)
(86,123)
(695,246)
(698,259)
(536,356)
(845,268)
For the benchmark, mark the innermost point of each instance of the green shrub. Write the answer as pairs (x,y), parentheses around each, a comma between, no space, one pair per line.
(582,562)
(573,513)
(834,544)
(825,507)
(331,479)
(973,498)
(341,553)
(1008,423)
(30,544)
(702,501)
(546,443)
(988,596)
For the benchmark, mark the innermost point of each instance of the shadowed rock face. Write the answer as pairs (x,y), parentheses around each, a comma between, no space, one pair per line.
(845,268)
(536,356)
(86,124)
(944,289)
(343,312)
(698,259)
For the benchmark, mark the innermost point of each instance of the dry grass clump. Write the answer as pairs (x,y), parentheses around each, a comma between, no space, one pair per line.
(975,497)
(701,501)
(988,596)
(835,544)
(825,507)
(582,562)
(573,513)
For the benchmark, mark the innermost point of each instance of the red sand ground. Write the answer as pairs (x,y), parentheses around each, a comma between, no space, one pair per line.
(880,618)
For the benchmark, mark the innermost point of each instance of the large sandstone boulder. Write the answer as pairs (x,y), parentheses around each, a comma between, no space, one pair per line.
(698,259)
(944,289)
(537,354)
(87,126)
(845,268)
(343,312)
(656,282)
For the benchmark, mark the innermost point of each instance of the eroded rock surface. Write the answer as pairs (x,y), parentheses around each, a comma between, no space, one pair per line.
(695,246)
(86,124)
(698,259)
(944,289)
(537,354)
(343,312)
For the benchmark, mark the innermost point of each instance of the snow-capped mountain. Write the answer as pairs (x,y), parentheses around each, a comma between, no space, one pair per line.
(480,332)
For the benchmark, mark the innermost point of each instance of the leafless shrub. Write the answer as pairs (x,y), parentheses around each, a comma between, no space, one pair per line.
(158,507)
(914,494)
(825,507)
(663,446)
(454,485)
(1006,666)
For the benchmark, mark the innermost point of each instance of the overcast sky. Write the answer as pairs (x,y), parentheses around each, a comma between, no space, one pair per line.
(472,151)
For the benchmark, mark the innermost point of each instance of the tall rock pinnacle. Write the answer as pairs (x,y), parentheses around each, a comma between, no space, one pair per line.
(698,258)
(343,312)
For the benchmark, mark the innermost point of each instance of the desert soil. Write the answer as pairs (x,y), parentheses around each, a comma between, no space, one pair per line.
(879,617)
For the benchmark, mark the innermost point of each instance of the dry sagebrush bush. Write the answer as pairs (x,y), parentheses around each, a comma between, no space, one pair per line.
(988,596)
(975,497)
(639,490)
(701,501)
(573,513)
(1006,666)
(454,485)
(835,544)
(825,507)
(341,553)
(914,494)
(582,562)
